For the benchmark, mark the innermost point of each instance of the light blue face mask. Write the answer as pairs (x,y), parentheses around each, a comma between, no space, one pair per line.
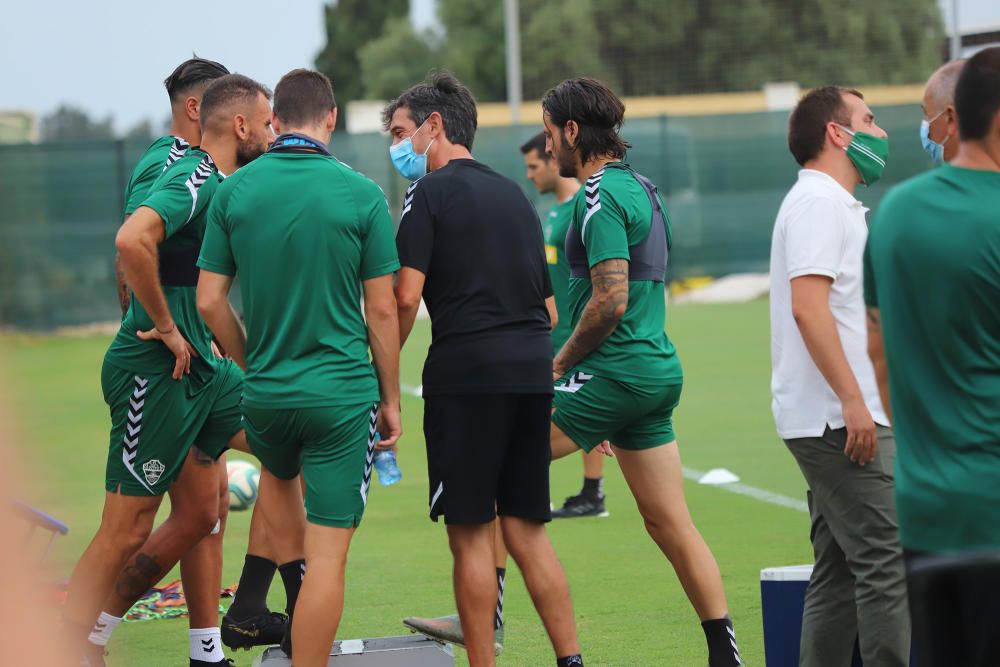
(933,148)
(407,162)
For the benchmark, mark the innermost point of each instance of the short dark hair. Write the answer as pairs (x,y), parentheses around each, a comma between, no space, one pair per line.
(977,95)
(595,109)
(536,143)
(444,93)
(303,96)
(807,124)
(190,74)
(228,90)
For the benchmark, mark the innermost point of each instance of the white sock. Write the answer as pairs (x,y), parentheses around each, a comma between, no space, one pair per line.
(206,645)
(101,633)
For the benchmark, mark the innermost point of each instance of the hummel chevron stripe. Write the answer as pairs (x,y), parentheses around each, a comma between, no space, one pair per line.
(575,382)
(592,196)
(370,456)
(408,199)
(197,179)
(177,151)
(130,441)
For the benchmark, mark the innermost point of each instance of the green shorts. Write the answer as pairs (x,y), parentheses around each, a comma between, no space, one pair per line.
(591,409)
(332,446)
(155,420)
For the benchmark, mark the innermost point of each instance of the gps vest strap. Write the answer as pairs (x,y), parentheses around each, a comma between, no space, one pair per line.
(293,142)
(648,258)
(179,267)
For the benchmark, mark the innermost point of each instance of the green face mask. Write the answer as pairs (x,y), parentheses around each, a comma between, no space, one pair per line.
(869,154)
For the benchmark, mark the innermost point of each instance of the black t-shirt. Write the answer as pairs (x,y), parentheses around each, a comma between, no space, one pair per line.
(478,240)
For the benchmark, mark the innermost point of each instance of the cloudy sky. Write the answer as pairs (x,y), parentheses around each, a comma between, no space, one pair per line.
(110,56)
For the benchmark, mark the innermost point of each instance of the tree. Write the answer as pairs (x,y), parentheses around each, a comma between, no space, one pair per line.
(559,39)
(814,42)
(744,46)
(350,25)
(653,47)
(646,43)
(547,61)
(657,47)
(474,45)
(396,60)
(69,123)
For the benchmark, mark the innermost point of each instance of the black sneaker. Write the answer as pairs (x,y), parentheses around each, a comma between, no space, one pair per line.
(225,662)
(264,629)
(580,505)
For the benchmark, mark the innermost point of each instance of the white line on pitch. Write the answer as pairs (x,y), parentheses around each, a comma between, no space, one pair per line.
(751,491)
(738,488)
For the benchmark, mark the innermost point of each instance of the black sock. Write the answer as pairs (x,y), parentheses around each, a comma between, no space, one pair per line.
(570,661)
(292,573)
(593,488)
(251,595)
(501,579)
(721,638)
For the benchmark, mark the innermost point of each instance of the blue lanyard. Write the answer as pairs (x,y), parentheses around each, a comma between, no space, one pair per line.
(295,142)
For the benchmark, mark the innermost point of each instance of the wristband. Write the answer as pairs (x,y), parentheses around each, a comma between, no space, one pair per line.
(168,331)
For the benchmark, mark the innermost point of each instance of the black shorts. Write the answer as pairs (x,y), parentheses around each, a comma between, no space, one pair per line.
(488,455)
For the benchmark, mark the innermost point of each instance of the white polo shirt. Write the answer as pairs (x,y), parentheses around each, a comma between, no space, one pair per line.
(820,230)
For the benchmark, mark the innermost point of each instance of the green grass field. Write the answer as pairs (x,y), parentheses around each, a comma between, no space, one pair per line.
(630,609)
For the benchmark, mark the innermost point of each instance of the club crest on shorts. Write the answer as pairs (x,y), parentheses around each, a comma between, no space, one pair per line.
(152,469)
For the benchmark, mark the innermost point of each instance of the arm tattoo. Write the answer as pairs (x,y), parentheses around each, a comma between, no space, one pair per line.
(138,577)
(874,319)
(609,281)
(124,294)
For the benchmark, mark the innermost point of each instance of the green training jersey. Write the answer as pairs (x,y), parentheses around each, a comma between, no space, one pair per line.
(932,267)
(303,231)
(180,196)
(614,218)
(161,154)
(554,228)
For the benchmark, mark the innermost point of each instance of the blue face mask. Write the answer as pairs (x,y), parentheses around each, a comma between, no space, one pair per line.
(933,148)
(407,162)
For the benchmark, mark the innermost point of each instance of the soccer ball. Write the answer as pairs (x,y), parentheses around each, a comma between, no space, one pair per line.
(243,479)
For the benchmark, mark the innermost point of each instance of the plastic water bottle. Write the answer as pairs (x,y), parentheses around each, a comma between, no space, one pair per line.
(385,464)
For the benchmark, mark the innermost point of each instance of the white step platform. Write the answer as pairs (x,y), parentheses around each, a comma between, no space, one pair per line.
(403,651)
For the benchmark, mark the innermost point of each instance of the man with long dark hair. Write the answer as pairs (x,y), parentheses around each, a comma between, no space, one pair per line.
(617,377)
(543,172)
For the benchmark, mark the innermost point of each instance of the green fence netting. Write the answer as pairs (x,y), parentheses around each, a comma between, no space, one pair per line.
(723,178)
